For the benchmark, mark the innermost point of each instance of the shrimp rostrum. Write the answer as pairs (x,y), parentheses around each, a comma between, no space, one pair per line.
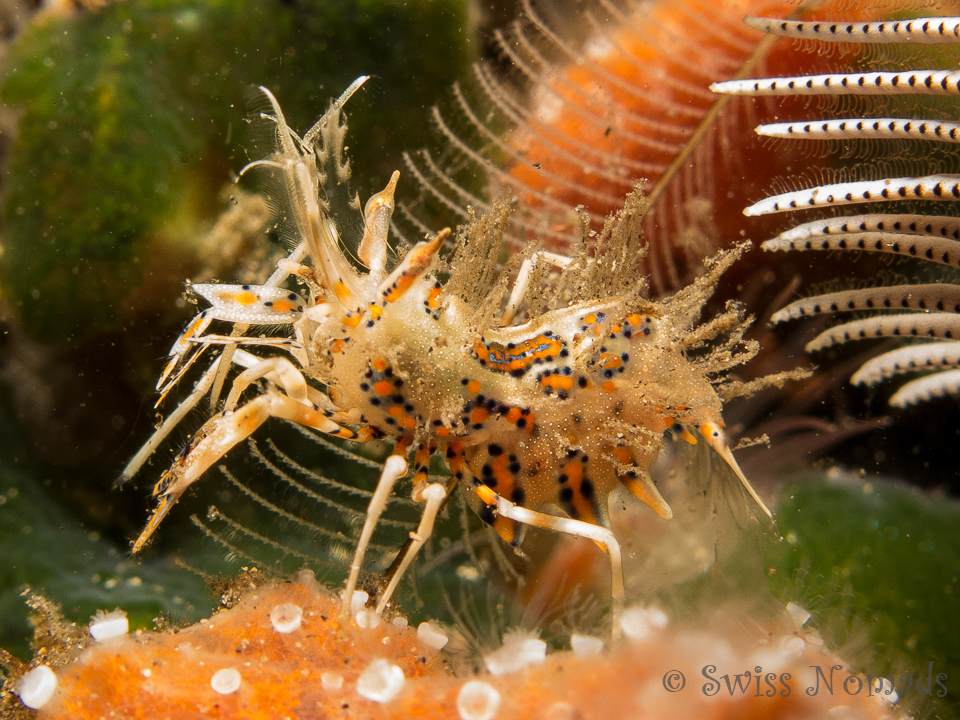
(541,401)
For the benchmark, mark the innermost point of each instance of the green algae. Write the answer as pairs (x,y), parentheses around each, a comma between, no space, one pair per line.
(878,565)
(46,549)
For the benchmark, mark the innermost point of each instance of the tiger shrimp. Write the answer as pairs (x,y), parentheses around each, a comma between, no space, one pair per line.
(531,408)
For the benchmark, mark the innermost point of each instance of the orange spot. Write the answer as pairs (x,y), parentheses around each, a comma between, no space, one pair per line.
(383,388)
(409,423)
(623,454)
(708,430)
(506,529)
(246,298)
(336,346)
(488,496)
(351,321)
(473,387)
(379,364)
(557,382)
(479,415)
(433,299)
(634,319)
(282,306)
(414,265)
(531,422)
(376,312)
(395,411)
(574,472)
(342,292)
(443,432)
(513,414)
(192,327)
(590,319)
(506,480)
(609,386)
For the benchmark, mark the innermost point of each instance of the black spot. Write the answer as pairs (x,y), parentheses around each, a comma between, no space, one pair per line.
(522,423)
(487,514)
(494,450)
(514,467)
(566,494)
(587,489)
(518,496)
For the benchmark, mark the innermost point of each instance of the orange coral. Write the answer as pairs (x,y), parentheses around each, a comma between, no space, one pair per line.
(280,653)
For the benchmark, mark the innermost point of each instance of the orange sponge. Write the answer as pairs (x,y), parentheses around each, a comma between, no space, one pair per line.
(280,652)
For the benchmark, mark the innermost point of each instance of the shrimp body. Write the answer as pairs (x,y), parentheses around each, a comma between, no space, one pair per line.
(558,411)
